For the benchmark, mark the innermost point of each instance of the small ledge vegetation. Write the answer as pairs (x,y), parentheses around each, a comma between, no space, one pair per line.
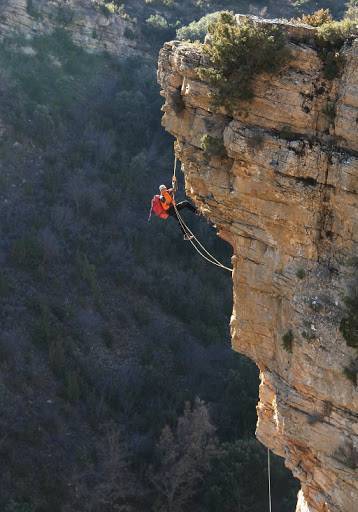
(212,146)
(351,371)
(287,340)
(300,273)
(316,19)
(237,54)
(349,324)
(330,38)
(197,30)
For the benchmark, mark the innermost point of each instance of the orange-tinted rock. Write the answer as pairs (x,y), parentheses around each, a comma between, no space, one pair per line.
(286,198)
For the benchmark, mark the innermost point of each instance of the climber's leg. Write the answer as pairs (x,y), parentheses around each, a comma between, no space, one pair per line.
(171,212)
(188,205)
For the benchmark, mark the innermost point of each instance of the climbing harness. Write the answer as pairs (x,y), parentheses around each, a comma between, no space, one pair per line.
(269,478)
(204,253)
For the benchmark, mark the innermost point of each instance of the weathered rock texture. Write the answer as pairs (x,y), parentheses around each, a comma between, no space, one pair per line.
(91,27)
(286,198)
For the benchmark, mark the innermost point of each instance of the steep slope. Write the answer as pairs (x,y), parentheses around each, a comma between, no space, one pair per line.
(285,197)
(92,26)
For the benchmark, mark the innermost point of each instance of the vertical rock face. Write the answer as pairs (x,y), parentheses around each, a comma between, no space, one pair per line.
(286,197)
(94,29)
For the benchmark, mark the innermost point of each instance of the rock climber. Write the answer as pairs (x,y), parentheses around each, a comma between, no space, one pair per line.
(163,205)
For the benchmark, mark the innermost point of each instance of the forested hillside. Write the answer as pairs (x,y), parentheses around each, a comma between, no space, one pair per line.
(118,386)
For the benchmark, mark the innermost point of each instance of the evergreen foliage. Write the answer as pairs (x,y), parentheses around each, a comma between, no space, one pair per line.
(212,146)
(237,54)
(287,341)
(330,38)
(197,30)
(300,273)
(349,324)
(317,18)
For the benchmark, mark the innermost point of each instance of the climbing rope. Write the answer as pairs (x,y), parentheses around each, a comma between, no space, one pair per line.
(269,478)
(204,253)
(211,259)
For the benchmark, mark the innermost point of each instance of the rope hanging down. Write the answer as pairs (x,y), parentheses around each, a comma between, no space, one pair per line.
(204,253)
(211,259)
(269,478)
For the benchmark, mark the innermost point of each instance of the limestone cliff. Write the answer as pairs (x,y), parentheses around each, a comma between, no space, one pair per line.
(90,26)
(285,196)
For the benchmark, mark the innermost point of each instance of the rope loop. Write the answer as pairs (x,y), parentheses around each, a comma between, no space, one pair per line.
(204,253)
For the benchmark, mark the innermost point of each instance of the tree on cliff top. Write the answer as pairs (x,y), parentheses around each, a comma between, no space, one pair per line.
(238,53)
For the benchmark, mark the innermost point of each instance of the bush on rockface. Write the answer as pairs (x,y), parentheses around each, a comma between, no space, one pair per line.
(197,30)
(287,340)
(317,18)
(351,371)
(349,324)
(331,35)
(238,53)
(352,10)
(330,38)
(212,146)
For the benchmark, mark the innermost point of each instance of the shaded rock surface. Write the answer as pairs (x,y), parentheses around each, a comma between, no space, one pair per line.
(286,197)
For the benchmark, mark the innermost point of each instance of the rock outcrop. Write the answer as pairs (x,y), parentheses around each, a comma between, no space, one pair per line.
(93,28)
(285,195)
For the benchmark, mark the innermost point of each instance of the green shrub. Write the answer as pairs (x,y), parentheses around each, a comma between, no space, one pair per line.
(317,18)
(286,133)
(330,39)
(300,273)
(166,3)
(349,324)
(287,340)
(212,146)
(109,8)
(332,35)
(157,22)
(329,110)
(238,53)
(197,30)
(352,10)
